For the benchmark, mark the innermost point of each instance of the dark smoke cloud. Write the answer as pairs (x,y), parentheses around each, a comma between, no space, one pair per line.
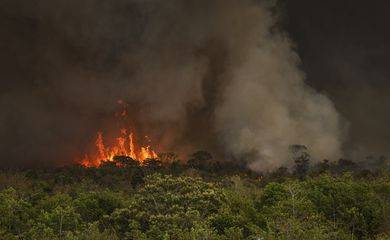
(217,75)
(345,51)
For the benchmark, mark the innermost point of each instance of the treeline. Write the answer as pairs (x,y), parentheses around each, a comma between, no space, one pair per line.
(198,199)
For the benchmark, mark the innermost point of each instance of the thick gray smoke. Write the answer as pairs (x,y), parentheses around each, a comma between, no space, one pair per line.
(197,74)
(266,106)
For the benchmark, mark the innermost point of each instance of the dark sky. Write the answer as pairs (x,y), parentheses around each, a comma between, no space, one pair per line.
(343,44)
(345,50)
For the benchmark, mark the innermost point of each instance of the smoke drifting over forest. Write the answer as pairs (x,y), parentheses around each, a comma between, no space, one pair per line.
(217,75)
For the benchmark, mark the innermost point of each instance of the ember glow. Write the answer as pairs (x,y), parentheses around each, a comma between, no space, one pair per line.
(124,145)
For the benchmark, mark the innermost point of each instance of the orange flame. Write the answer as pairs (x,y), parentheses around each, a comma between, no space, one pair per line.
(125,146)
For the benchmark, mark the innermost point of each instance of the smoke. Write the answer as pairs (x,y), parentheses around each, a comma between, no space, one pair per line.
(344,55)
(197,74)
(266,106)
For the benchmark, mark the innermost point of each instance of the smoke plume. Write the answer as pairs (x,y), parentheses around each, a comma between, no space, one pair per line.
(217,75)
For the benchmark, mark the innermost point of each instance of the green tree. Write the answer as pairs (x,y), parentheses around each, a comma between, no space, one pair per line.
(57,216)
(15,213)
(347,203)
(92,206)
(166,204)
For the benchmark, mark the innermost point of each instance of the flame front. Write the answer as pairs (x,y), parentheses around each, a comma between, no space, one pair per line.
(125,145)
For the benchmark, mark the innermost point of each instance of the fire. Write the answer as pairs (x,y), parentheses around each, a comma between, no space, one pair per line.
(125,145)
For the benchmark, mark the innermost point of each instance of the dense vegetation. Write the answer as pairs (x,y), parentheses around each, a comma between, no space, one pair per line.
(201,199)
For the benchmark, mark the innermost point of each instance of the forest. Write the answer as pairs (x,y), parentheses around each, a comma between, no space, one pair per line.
(200,198)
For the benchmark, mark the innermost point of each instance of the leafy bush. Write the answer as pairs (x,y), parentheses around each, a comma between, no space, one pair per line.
(104,203)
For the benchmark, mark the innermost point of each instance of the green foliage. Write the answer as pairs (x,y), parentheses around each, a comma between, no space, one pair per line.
(92,206)
(105,203)
(273,193)
(347,202)
(14,212)
(165,205)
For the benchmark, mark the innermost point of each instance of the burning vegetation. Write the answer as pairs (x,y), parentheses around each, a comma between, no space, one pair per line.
(125,145)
